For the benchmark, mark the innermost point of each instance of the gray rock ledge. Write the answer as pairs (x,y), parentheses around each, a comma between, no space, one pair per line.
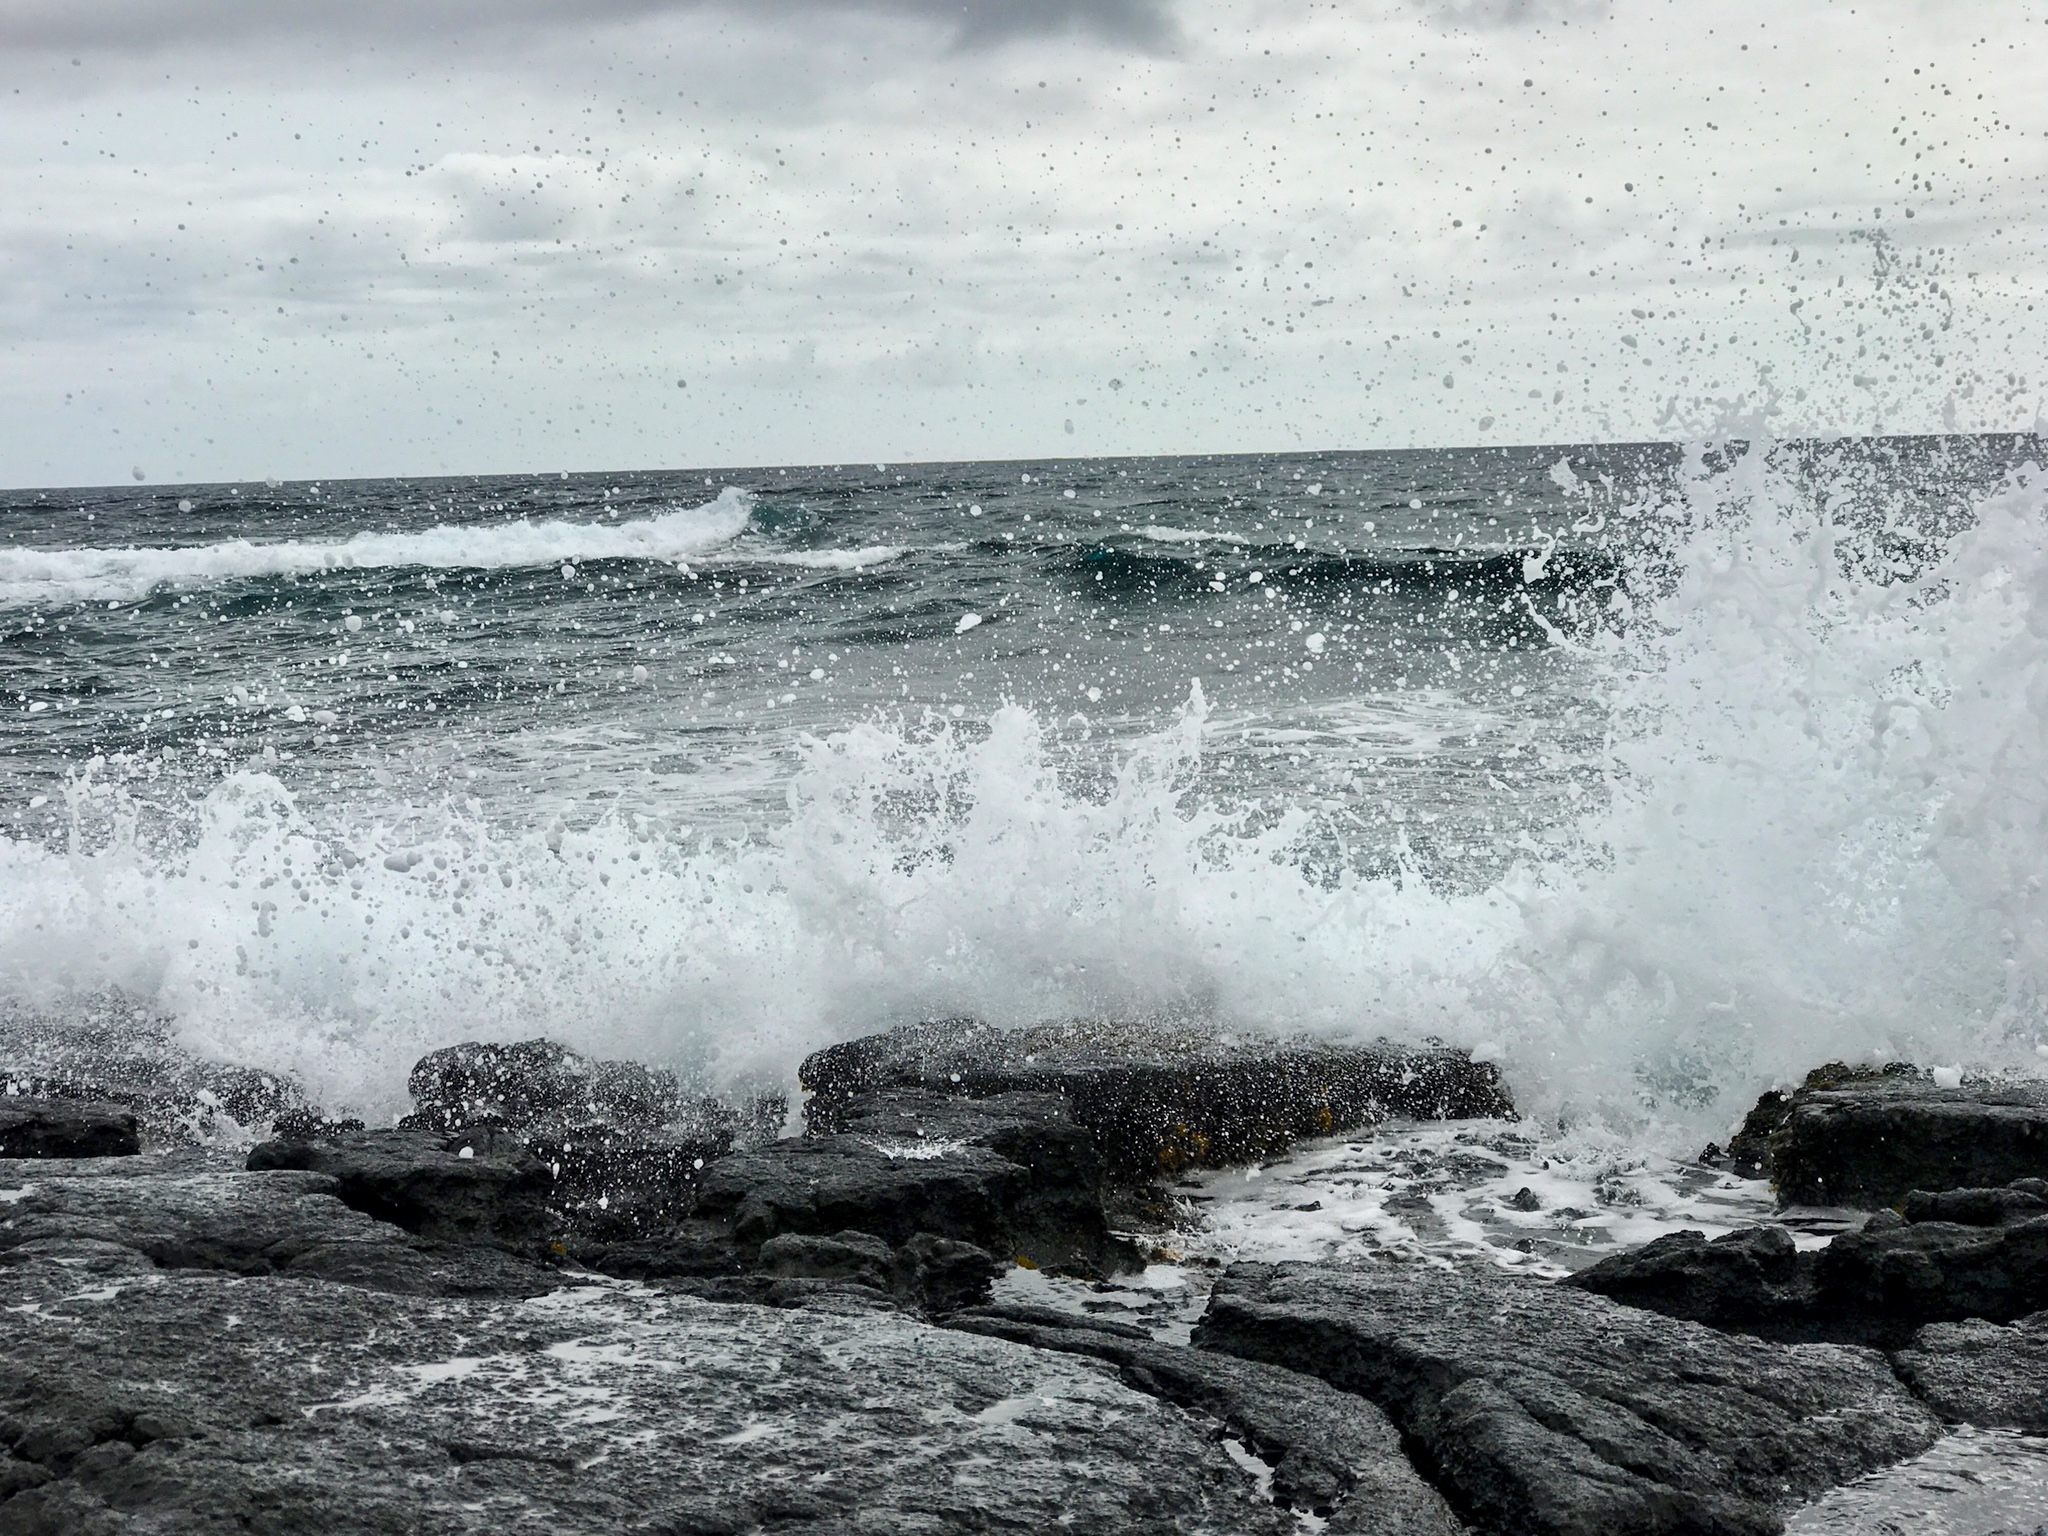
(208,1404)
(1543,1411)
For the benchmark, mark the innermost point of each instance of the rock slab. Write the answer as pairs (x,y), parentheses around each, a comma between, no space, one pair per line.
(1543,1411)
(464,1188)
(114,1221)
(40,1128)
(208,1405)
(541,1084)
(1991,1375)
(1333,1455)
(1958,1254)
(624,1143)
(1159,1099)
(1870,1142)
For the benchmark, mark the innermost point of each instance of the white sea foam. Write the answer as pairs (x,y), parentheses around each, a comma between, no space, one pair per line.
(1823,838)
(832,559)
(1159,535)
(30,577)
(1484,1189)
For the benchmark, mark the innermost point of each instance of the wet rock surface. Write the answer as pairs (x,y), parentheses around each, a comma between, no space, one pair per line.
(1869,1140)
(1990,1375)
(41,1128)
(465,1188)
(1158,1099)
(1537,1408)
(205,1403)
(836,1186)
(1012,1173)
(115,1054)
(1955,1254)
(624,1143)
(542,1085)
(116,1220)
(1749,1149)
(369,1330)
(2021,1200)
(1333,1455)
(1934,1271)
(1754,1278)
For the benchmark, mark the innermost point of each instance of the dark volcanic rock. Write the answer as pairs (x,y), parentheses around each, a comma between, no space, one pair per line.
(625,1144)
(1988,1374)
(1156,1099)
(53,1128)
(853,1256)
(1874,1286)
(694,1249)
(1333,1454)
(613,1183)
(1540,1409)
(1749,1150)
(540,1085)
(2022,1200)
(208,1406)
(1011,1176)
(942,1274)
(1055,1217)
(124,1219)
(1935,1271)
(463,1188)
(826,1184)
(1746,1279)
(996,1141)
(535,1082)
(311,1125)
(1871,1142)
(114,1053)
(926,1274)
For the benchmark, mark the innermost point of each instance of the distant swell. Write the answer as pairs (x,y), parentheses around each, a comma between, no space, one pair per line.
(1493,573)
(30,577)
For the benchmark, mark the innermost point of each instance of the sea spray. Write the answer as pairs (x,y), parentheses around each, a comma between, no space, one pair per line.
(1797,817)
(1824,823)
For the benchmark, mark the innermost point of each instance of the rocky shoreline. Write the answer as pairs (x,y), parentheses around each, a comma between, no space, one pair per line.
(570,1293)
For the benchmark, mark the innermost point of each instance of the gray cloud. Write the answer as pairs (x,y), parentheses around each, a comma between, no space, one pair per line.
(145,26)
(368,241)
(1510,13)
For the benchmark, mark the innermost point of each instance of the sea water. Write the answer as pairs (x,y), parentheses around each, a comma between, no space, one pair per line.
(1657,774)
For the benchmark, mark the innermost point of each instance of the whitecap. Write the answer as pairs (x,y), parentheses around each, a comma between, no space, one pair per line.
(1159,535)
(34,577)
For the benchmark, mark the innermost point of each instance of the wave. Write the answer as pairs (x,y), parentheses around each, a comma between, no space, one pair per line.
(829,559)
(1421,572)
(1159,535)
(42,577)
(1821,838)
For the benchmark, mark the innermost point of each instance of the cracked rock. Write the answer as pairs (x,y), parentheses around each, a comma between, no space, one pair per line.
(1543,1411)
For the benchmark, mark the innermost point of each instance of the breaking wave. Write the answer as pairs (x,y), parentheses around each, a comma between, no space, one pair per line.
(37,577)
(1823,835)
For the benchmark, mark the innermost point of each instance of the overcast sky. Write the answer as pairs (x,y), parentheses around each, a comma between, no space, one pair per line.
(353,237)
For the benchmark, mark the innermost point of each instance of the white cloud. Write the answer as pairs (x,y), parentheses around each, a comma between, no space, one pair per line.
(857,238)
(1512,13)
(155,27)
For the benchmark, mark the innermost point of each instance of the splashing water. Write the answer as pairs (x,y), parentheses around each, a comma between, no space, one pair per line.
(1821,835)
(1824,836)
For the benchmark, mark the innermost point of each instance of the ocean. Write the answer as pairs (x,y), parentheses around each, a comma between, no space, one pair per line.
(1657,773)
